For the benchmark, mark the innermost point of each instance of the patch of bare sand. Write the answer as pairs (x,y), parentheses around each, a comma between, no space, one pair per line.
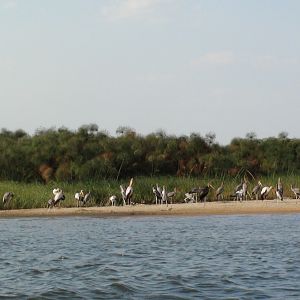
(191,209)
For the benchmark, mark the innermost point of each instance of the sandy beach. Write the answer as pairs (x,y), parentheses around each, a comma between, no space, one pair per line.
(191,209)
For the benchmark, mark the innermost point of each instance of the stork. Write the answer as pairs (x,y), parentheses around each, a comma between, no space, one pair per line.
(171,194)
(296,192)
(164,197)
(7,197)
(256,190)
(203,192)
(265,191)
(129,192)
(279,190)
(58,197)
(157,192)
(220,191)
(86,198)
(79,197)
(113,200)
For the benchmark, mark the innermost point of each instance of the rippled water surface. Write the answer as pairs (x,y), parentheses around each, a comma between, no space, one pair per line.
(214,257)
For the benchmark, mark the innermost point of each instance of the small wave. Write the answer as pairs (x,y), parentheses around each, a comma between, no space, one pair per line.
(122,287)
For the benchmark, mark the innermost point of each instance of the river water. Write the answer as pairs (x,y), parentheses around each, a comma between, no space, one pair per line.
(207,257)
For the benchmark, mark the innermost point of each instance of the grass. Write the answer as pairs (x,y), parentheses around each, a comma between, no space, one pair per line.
(36,195)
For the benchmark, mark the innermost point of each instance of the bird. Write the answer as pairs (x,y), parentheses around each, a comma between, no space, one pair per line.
(279,190)
(239,186)
(256,190)
(220,191)
(86,198)
(113,200)
(172,194)
(129,192)
(194,191)
(189,198)
(164,197)
(296,191)
(123,194)
(58,196)
(203,192)
(245,189)
(265,191)
(7,197)
(79,197)
(157,193)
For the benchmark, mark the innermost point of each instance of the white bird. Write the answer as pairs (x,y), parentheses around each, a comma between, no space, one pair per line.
(86,198)
(79,197)
(113,200)
(279,190)
(59,196)
(7,197)
(123,194)
(265,191)
(189,198)
(164,196)
(157,193)
(129,192)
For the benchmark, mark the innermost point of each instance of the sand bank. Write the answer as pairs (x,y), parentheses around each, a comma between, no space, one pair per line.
(191,209)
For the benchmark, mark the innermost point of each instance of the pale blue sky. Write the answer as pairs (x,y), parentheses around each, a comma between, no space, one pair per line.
(228,67)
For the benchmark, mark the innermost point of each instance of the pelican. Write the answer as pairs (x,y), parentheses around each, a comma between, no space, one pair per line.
(256,190)
(244,190)
(113,200)
(7,197)
(220,191)
(79,197)
(296,191)
(265,191)
(279,190)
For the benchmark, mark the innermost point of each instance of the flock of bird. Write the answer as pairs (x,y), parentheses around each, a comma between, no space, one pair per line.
(162,196)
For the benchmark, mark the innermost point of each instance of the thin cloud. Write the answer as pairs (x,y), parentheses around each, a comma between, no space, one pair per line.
(215,58)
(126,9)
(10,4)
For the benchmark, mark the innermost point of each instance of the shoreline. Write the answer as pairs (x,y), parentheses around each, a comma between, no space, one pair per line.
(182,209)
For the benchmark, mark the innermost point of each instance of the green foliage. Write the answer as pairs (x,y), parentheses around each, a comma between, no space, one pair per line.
(91,154)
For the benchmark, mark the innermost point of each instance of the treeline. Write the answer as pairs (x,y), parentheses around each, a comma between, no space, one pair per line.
(91,154)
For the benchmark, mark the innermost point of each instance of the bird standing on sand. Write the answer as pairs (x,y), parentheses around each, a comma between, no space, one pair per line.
(279,190)
(7,197)
(220,191)
(265,191)
(171,195)
(296,192)
(256,190)
(113,200)
(79,197)
(203,192)
(157,192)
(58,196)
(86,198)
(129,192)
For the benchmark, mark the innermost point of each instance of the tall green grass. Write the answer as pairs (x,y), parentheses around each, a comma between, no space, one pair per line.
(36,195)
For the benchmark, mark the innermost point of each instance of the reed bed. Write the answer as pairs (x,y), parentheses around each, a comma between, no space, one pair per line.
(36,195)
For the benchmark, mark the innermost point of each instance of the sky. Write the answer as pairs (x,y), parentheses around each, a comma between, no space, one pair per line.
(183,66)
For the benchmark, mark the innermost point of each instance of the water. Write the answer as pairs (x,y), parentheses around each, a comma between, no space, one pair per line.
(214,257)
